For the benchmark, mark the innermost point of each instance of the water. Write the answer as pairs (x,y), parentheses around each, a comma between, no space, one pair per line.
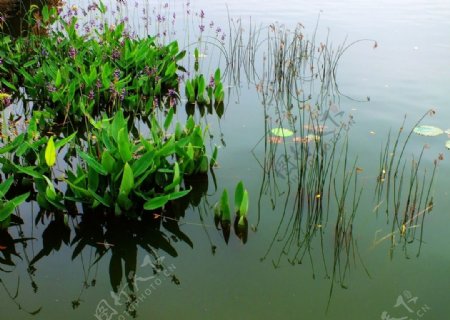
(405,74)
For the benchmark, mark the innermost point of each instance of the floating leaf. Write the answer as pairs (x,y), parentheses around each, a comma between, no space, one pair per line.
(428,131)
(447,144)
(282,132)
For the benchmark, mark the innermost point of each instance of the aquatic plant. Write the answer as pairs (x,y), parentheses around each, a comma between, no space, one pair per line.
(405,197)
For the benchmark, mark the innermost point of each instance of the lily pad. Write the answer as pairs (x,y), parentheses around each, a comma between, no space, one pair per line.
(428,131)
(447,144)
(447,131)
(282,132)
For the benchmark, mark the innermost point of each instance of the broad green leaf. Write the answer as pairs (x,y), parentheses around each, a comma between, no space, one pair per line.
(243,209)
(100,199)
(64,141)
(50,153)
(242,221)
(143,163)
(178,194)
(217,77)
(156,202)
(225,206)
(7,208)
(127,183)
(238,196)
(108,161)
(20,199)
(5,186)
(190,123)
(92,162)
(124,145)
(50,191)
(169,118)
(13,145)
(93,179)
(8,84)
(58,79)
(29,171)
(171,69)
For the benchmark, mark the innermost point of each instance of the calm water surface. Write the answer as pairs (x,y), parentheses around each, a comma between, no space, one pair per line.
(407,73)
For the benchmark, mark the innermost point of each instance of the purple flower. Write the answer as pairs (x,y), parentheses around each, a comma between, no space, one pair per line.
(172,93)
(91,95)
(123,94)
(98,84)
(202,28)
(155,102)
(117,74)
(1,61)
(211,24)
(115,55)
(92,7)
(51,88)
(211,82)
(202,14)
(72,52)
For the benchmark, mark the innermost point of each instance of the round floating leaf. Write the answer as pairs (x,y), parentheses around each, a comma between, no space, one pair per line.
(428,131)
(447,131)
(447,144)
(282,132)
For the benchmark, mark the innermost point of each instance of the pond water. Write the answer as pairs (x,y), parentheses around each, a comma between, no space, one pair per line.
(373,270)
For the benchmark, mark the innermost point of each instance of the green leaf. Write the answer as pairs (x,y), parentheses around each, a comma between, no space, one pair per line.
(124,145)
(169,118)
(127,183)
(214,157)
(63,142)
(225,206)
(100,199)
(58,79)
(238,195)
(143,163)
(50,153)
(156,202)
(243,209)
(6,209)
(217,77)
(108,161)
(5,186)
(13,145)
(93,179)
(45,15)
(171,69)
(178,194)
(29,171)
(8,84)
(91,162)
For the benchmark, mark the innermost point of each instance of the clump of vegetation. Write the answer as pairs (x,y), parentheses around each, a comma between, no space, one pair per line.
(88,97)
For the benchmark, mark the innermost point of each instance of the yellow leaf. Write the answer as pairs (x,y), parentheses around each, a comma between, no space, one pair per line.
(50,153)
